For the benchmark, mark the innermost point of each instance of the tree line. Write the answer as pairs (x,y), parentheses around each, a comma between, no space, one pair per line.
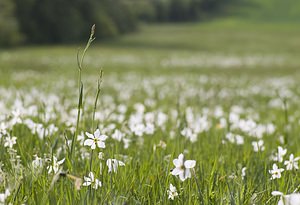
(69,21)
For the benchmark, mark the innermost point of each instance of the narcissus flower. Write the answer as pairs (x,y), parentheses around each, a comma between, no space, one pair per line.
(55,165)
(289,199)
(3,196)
(10,141)
(172,192)
(292,163)
(276,172)
(91,181)
(183,167)
(95,139)
(113,165)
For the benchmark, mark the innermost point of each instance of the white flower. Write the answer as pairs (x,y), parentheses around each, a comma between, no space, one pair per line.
(172,192)
(126,143)
(113,165)
(101,155)
(280,154)
(276,172)
(292,163)
(55,165)
(138,129)
(182,167)
(189,134)
(243,172)
(80,138)
(234,139)
(91,181)
(149,128)
(117,135)
(37,163)
(161,144)
(258,145)
(96,139)
(10,141)
(3,196)
(3,128)
(290,199)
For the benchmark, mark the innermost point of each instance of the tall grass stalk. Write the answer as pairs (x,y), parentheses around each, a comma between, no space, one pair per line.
(80,85)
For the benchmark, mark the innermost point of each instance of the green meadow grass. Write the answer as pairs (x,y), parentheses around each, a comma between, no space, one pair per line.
(232,64)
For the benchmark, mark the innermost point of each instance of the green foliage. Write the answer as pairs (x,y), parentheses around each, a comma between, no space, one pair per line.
(67,21)
(9,28)
(57,21)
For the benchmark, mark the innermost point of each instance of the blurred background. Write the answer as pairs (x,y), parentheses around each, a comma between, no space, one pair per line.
(150,36)
(68,21)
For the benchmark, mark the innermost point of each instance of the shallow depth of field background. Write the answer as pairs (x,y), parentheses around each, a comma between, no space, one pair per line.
(172,57)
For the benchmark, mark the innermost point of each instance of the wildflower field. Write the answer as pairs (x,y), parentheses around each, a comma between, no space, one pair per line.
(187,114)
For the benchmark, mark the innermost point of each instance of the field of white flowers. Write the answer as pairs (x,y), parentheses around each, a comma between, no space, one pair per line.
(176,137)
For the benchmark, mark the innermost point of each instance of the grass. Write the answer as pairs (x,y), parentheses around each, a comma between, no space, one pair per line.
(226,76)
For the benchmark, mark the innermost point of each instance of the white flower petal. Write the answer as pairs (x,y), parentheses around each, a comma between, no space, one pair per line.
(88,142)
(61,161)
(90,135)
(91,175)
(182,177)
(277,193)
(176,162)
(103,137)
(121,163)
(176,171)
(187,173)
(87,183)
(190,164)
(101,144)
(97,133)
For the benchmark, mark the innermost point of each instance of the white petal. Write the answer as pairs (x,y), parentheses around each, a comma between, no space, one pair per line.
(121,163)
(97,133)
(86,183)
(297,158)
(87,179)
(277,193)
(109,165)
(91,175)
(90,135)
(176,171)
(88,142)
(294,199)
(172,188)
(182,177)
(93,146)
(177,163)
(181,157)
(103,137)
(190,163)
(61,161)
(101,144)
(187,173)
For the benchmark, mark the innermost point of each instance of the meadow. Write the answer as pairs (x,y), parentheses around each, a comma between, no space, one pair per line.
(194,113)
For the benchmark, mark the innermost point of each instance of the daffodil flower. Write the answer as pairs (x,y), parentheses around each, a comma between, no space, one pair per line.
(55,165)
(276,172)
(91,181)
(292,163)
(95,139)
(172,192)
(113,165)
(289,199)
(182,167)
